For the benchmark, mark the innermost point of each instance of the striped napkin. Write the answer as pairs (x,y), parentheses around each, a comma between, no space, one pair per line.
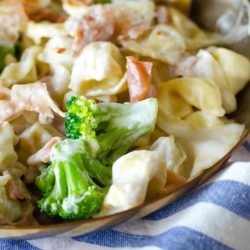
(214,216)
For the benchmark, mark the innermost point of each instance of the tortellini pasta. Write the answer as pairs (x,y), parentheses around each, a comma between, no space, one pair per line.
(178,97)
(99,70)
(203,135)
(206,146)
(8,156)
(10,210)
(183,5)
(195,38)
(162,43)
(34,138)
(218,64)
(237,78)
(58,55)
(172,153)
(134,175)
(169,42)
(24,71)
(44,30)
(15,202)
(75,8)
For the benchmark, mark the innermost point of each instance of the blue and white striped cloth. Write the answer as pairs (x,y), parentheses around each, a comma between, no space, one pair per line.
(214,216)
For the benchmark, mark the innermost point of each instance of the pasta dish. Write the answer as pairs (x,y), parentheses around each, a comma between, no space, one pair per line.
(106,104)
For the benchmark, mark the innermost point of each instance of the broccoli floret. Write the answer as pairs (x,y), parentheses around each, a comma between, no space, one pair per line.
(112,128)
(67,186)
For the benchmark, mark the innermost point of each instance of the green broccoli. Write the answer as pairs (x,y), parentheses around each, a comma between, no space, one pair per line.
(110,128)
(5,49)
(67,186)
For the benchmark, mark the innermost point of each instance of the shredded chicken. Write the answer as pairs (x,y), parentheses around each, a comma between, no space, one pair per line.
(35,97)
(105,22)
(97,25)
(12,19)
(43,155)
(29,97)
(139,79)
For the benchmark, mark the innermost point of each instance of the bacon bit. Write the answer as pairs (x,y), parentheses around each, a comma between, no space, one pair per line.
(139,79)
(61,50)
(13,20)
(43,155)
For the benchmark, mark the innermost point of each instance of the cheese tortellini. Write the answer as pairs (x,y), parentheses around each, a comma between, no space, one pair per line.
(24,71)
(99,70)
(44,30)
(10,210)
(34,138)
(134,176)
(206,146)
(218,64)
(8,156)
(169,42)
(179,98)
(58,55)
(172,153)
(191,110)
(162,43)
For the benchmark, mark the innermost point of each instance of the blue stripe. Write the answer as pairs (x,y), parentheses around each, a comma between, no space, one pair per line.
(231,195)
(16,245)
(246,145)
(178,238)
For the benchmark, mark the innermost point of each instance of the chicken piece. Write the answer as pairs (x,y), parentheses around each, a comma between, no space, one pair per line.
(35,97)
(110,21)
(98,24)
(43,155)
(139,79)
(12,20)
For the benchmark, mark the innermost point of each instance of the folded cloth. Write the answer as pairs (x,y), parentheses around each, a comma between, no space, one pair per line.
(214,216)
